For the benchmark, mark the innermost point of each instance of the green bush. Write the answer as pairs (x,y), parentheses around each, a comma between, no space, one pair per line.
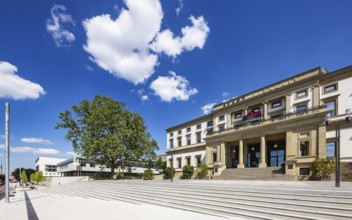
(323,168)
(148,175)
(168,172)
(203,171)
(187,171)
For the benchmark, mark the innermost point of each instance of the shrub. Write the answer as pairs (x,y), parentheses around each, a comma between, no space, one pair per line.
(168,172)
(148,175)
(203,171)
(323,167)
(24,178)
(187,171)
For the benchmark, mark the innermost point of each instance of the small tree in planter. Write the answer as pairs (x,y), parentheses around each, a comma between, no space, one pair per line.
(148,175)
(323,168)
(168,172)
(203,171)
(187,171)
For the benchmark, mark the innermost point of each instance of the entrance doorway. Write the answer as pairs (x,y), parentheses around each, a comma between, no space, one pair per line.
(276,153)
(234,156)
(253,155)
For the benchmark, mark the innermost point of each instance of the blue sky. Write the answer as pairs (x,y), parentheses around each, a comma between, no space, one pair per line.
(167,60)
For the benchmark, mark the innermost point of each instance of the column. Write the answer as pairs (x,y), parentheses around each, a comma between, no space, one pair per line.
(245,111)
(222,154)
(288,104)
(218,153)
(322,141)
(265,109)
(262,152)
(208,155)
(316,94)
(240,155)
(245,154)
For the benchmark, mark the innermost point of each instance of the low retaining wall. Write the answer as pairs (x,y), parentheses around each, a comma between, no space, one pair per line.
(55,181)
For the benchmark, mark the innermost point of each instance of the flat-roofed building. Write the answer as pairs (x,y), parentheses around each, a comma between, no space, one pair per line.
(48,165)
(280,125)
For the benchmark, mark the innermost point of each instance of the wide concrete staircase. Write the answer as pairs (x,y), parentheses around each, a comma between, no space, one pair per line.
(238,200)
(266,173)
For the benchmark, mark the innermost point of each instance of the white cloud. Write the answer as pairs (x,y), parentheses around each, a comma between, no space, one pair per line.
(144,97)
(192,37)
(225,94)
(172,87)
(2,146)
(44,151)
(13,86)
(54,26)
(208,108)
(36,141)
(179,7)
(121,46)
(70,153)
(128,46)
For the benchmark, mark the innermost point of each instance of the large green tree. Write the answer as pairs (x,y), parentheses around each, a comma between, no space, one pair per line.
(104,131)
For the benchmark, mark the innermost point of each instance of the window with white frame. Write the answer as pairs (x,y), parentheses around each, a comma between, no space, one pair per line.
(188,139)
(276,104)
(179,141)
(330,88)
(301,94)
(221,117)
(199,137)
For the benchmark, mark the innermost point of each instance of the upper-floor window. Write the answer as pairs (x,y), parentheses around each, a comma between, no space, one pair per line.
(301,108)
(255,109)
(210,123)
(83,164)
(179,132)
(179,141)
(331,105)
(199,137)
(301,94)
(199,126)
(171,142)
(188,139)
(189,129)
(330,88)
(221,117)
(222,128)
(171,134)
(276,104)
(92,164)
(238,115)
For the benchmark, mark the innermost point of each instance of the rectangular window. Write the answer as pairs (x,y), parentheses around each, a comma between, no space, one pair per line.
(210,123)
(188,160)
(179,132)
(255,110)
(179,161)
(83,164)
(199,137)
(199,126)
(199,160)
(171,142)
(276,104)
(179,141)
(301,108)
(214,157)
(304,171)
(331,105)
(92,164)
(330,88)
(222,128)
(221,117)
(304,148)
(188,139)
(238,115)
(189,129)
(330,149)
(171,134)
(301,94)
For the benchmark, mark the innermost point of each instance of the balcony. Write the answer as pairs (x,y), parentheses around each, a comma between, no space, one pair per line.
(289,116)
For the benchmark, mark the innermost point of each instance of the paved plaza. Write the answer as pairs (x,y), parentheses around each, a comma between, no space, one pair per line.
(215,200)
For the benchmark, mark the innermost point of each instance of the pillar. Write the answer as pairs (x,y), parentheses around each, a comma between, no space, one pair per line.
(262,152)
(222,154)
(265,109)
(321,145)
(208,155)
(288,103)
(240,155)
(245,154)
(218,153)
(316,94)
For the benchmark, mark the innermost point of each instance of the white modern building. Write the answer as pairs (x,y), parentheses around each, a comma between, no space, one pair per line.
(48,165)
(280,125)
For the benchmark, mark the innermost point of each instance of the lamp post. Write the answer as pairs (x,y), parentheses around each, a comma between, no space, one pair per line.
(337,149)
(172,166)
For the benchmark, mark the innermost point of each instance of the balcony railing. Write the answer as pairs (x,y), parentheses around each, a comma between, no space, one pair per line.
(286,116)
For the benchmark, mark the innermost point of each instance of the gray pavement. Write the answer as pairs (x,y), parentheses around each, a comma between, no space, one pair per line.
(204,200)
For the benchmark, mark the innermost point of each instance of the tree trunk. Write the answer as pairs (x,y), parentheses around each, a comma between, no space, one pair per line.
(112,167)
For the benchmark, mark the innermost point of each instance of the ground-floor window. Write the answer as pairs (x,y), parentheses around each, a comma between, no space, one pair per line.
(179,160)
(214,157)
(304,171)
(188,160)
(199,160)
(304,148)
(330,149)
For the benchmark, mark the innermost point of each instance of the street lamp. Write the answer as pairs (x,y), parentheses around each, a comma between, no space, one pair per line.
(337,150)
